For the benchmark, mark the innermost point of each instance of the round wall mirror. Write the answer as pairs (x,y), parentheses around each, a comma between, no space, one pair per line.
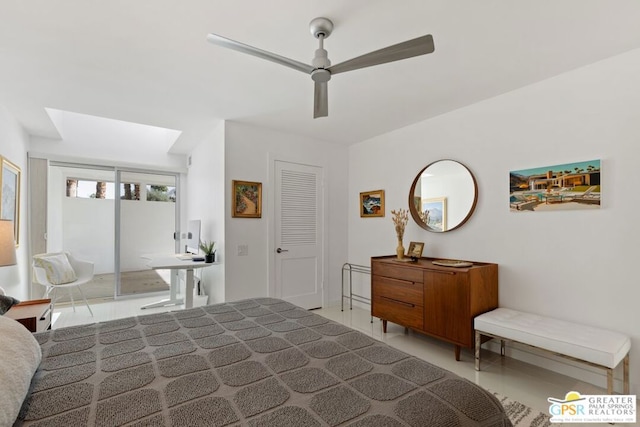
(443,196)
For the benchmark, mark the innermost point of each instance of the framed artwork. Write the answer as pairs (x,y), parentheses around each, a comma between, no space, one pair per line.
(415,249)
(10,195)
(435,213)
(372,203)
(559,187)
(247,199)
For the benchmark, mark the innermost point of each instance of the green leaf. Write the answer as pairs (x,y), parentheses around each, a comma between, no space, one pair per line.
(207,247)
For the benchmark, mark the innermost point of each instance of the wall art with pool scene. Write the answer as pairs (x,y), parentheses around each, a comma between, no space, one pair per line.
(567,186)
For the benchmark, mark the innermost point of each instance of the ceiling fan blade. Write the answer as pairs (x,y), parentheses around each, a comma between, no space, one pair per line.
(245,48)
(320,100)
(415,47)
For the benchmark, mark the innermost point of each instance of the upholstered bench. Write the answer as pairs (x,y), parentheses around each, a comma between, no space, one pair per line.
(597,347)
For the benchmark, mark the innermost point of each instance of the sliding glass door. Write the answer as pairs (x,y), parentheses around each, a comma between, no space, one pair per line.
(80,220)
(146,222)
(112,217)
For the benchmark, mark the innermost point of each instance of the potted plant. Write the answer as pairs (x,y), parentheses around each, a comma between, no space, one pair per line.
(209,251)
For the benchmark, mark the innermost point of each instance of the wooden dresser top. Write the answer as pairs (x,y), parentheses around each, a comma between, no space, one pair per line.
(427,263)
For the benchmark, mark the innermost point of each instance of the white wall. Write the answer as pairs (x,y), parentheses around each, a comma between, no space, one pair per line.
(249,151)
(205,191)
(13,145)
(575,265)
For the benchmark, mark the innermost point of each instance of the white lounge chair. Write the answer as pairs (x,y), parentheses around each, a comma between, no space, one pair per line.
(589,196)
(44,274)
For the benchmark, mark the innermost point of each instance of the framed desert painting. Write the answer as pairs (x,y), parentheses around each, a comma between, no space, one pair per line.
(247,199)
(435,213)
(10,195)
(372,203)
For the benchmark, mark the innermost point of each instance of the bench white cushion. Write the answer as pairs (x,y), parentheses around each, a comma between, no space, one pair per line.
(595,345)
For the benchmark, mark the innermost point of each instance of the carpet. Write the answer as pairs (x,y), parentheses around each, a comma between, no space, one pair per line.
(521,415)
(131,283)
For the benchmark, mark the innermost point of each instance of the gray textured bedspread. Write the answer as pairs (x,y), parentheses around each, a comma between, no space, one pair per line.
(258,362)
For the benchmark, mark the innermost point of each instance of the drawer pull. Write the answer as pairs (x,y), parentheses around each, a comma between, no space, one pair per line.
(401,281)
(451,273)
(398,302)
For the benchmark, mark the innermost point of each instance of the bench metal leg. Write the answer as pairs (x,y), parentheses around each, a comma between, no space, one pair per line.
(478,345)
(610,371)
(625,373)
(625,376)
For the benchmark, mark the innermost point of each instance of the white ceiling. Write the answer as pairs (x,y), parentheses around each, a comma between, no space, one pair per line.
(148,61)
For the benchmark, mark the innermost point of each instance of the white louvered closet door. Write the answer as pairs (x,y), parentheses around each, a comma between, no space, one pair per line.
(298,234)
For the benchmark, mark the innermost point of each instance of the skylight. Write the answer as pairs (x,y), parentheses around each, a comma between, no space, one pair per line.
(85,128)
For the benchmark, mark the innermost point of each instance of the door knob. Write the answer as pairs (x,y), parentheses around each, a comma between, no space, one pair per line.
(280,250)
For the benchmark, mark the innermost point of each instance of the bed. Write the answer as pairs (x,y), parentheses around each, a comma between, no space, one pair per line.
(255,362)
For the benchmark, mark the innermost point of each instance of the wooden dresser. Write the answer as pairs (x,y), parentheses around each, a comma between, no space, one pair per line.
(438,301)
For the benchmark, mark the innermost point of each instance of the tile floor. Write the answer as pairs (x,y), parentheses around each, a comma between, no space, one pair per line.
(523,382)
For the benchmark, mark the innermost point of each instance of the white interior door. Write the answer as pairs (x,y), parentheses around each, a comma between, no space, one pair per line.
(298,234)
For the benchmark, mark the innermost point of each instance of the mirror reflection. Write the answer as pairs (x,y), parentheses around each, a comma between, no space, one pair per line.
(443,196)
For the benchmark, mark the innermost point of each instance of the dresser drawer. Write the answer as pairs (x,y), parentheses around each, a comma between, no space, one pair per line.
(400,290)
(399,312)
(399,272)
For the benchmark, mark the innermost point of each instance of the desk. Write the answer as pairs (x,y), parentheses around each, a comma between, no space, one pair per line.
(172,262)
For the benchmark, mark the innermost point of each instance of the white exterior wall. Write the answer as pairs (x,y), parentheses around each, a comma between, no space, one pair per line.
(575,265)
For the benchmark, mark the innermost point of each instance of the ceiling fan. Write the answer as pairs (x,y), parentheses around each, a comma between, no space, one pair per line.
(321,69)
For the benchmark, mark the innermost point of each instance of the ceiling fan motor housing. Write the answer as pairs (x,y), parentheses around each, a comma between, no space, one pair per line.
(321,75)
(321,27)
